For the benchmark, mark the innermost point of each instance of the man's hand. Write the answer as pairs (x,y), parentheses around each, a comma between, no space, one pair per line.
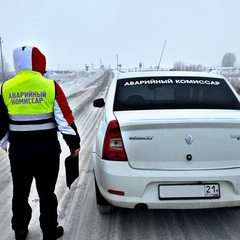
(75,152)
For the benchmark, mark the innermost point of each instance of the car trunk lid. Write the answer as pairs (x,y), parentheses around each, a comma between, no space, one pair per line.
(181,139)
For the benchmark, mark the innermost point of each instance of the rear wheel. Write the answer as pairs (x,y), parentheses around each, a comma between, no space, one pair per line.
(103,205)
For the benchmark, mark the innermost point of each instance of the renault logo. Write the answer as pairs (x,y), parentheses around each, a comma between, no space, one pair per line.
(189,139)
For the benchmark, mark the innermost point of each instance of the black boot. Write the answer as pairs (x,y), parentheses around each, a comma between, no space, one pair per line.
(21,235)
(57,233)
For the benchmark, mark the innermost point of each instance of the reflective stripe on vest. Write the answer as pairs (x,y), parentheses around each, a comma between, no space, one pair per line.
(30,117)
(33,127)
(29,98)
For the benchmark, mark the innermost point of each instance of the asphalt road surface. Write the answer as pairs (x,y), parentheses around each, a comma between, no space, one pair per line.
(78,213)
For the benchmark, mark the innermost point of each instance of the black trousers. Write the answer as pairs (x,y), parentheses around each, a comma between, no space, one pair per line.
(43,166)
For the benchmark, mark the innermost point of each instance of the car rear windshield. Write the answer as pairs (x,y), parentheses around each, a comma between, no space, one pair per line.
(174,93)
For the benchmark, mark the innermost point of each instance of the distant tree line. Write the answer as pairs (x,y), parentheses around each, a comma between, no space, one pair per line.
(181,66)
(228,60)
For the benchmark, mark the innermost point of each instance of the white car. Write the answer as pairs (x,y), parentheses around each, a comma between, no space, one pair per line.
(168,140)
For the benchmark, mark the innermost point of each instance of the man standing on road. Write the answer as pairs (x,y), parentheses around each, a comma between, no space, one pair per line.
(33,108)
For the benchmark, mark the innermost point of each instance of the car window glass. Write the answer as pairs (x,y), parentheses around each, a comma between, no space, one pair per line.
(174,93)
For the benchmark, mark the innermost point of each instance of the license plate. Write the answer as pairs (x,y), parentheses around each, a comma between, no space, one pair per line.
(188,191)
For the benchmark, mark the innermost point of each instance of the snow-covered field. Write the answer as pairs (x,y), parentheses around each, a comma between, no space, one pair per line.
(72,81)
(231,74)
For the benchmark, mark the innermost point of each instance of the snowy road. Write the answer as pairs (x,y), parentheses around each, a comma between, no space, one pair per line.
(77,209)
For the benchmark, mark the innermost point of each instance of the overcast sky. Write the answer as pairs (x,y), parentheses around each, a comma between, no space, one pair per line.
(75,32)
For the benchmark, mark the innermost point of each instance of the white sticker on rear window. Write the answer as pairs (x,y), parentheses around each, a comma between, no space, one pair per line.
(170,81)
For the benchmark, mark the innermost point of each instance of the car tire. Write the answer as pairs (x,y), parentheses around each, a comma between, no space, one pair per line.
(103,205)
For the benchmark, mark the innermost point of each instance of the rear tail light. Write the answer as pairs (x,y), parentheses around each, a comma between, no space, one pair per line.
(116,192)
(113,148)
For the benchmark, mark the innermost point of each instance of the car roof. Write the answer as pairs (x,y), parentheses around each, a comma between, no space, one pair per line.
(167,74)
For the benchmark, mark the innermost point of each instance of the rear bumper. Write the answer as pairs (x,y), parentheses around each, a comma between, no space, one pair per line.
(141,186)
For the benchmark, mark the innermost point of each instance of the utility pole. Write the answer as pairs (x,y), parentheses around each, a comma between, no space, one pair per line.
(3,75)
(117,61)
(161,55)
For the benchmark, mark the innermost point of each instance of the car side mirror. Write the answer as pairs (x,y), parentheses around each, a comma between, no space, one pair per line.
(99,103)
